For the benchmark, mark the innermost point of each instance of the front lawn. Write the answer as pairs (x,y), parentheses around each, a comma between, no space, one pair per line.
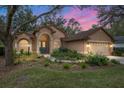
(36,74)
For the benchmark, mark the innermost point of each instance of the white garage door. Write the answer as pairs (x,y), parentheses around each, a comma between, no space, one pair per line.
(100,48)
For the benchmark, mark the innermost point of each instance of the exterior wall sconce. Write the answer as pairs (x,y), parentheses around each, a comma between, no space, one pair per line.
(88,45)
(111,45)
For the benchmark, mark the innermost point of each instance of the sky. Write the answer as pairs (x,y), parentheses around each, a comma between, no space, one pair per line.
(86,17)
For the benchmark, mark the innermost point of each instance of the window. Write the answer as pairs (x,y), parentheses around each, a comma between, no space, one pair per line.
(44,44)
(24,44)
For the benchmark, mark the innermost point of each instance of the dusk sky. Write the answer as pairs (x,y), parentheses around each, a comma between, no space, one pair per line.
(86,17)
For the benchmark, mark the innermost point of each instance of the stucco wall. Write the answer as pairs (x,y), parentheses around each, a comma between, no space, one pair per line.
(23,37)
(75,45)
(55,38)
(99,43)
(100,36)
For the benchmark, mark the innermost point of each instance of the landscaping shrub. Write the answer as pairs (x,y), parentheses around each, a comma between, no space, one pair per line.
(115,61)
(66,66)
(47,63)
(67,54)
(21,51)
(98,60)
(83,65)
(17,62)
(23,57)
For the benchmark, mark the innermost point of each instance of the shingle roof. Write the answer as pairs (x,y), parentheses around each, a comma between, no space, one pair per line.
(119,39)
(84,35)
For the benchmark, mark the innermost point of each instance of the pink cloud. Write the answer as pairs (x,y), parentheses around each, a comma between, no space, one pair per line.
(86,17)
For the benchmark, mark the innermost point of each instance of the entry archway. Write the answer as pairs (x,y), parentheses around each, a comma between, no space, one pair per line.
(44,44)
(24,45)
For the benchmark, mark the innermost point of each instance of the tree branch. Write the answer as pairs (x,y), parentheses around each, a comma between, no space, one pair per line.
(2,37)
(10,15)
(121,7)
(27,22)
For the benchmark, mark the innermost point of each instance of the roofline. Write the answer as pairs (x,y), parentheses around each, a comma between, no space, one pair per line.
(96,29)
(108,34)
(48,27)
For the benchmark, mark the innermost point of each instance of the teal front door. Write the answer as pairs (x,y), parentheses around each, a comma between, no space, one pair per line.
(44,49)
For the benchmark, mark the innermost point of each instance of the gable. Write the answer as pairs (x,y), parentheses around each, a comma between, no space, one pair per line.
(100,35)
(53,31)
(58,33)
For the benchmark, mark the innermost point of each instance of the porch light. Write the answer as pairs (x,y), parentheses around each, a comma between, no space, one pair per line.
(111,45)
(88,45)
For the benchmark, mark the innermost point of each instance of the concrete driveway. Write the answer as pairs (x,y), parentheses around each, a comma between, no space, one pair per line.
(120,59)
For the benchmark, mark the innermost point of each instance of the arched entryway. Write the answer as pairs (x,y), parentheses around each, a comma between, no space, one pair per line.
(24,45)
(44,44)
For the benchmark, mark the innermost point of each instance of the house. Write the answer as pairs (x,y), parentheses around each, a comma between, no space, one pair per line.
(48,38)
(119,42)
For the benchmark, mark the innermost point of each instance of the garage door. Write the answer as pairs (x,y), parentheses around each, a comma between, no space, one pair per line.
(100,48)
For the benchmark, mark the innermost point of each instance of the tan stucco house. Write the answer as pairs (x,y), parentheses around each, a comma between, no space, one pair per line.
(48,38)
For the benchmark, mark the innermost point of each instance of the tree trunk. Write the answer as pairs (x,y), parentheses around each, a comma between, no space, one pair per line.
(9,55)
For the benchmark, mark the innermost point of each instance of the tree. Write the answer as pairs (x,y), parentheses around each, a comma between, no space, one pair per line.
(109,15)
(117,29)
(9,28)
(70,26)
(24,13)
(73,27)
(94,26)
(112,17)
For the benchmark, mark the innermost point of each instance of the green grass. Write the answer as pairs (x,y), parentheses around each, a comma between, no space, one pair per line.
(37,75)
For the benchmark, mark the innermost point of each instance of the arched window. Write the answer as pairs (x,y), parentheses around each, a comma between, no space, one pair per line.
(24,45)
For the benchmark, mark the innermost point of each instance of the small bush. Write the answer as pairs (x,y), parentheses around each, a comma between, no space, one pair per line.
(17,62)
(83,65)
(47,63)
(115,61)
(98,60)
(67,54)
(22,51)
(66,66)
